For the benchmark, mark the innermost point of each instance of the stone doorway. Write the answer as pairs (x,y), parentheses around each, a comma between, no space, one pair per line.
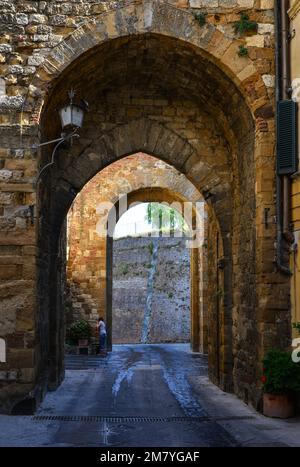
(160,83)
(151,277)
(90,245)
(174,123)
(151,287)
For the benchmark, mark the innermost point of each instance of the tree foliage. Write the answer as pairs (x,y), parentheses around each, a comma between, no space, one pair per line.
(162,217)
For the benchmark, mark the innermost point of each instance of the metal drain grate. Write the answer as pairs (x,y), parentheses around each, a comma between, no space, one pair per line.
(98,418)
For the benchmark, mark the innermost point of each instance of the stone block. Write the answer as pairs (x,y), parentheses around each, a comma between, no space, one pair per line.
(21,358)
(10,272)
(266,4)
(204,3)
(255,41)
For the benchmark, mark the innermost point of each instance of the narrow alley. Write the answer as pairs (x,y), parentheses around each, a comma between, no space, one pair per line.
(139,395)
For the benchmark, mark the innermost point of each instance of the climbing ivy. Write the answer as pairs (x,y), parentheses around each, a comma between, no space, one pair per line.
(297,326)
(244,25)
(150,246)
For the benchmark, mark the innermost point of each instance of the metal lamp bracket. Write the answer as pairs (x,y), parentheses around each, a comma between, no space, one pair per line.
(59,141)
(291,34)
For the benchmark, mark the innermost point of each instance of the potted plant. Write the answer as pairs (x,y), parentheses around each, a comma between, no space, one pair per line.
(80,332)
(297,326)
(281,382)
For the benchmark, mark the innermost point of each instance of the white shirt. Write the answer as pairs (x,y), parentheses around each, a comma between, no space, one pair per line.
(102,327)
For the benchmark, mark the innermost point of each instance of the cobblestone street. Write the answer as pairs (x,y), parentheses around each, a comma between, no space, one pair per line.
(140,395)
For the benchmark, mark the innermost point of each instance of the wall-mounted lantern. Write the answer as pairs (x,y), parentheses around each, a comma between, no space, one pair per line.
(72,115)
(71,120)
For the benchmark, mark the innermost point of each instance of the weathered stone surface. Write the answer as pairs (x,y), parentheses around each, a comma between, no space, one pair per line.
(169,293)
(180,79)
(87,250)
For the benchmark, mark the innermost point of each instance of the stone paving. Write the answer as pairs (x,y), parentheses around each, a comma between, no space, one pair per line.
(143,395)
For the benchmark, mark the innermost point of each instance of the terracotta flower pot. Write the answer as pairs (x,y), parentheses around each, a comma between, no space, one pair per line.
(83,342)
(279,405)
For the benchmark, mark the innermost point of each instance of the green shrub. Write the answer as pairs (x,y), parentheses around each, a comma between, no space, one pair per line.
(243,51)
(280,373)
(245,24)
(297,326)
(79,330)
(201,17)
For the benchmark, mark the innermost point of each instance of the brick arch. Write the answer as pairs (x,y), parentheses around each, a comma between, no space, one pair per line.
(140,135)
(142,178)
(76,166)
(144,17)
(166,194)
(130,176)
(231,180)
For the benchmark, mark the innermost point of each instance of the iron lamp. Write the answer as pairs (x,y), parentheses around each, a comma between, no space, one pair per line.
(71,119)
(71,115)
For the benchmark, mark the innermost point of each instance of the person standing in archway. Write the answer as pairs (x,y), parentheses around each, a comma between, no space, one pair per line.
(101,326)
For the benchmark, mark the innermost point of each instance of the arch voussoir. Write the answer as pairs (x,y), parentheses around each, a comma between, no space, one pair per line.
(155,17)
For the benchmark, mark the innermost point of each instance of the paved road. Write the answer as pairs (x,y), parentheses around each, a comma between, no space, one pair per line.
(137,396)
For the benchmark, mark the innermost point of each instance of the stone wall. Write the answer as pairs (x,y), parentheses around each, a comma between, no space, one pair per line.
(168,294)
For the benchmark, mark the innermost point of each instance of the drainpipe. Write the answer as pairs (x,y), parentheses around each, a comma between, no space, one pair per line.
(283,80)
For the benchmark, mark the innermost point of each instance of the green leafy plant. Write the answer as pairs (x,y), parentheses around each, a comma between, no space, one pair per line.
(164,218)
(79,330)
(245,25)
(243,51)
(297,326)
(150,246)
(280,373)
(201,17)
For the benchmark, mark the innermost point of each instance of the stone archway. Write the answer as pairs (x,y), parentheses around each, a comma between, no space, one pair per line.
(158,82)
(139,18)
(199,317)
(169,124)
(153,138)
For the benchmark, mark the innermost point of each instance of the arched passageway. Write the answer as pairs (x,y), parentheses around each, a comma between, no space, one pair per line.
(194,217)
(160,83)
(178,116)
(137,178)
